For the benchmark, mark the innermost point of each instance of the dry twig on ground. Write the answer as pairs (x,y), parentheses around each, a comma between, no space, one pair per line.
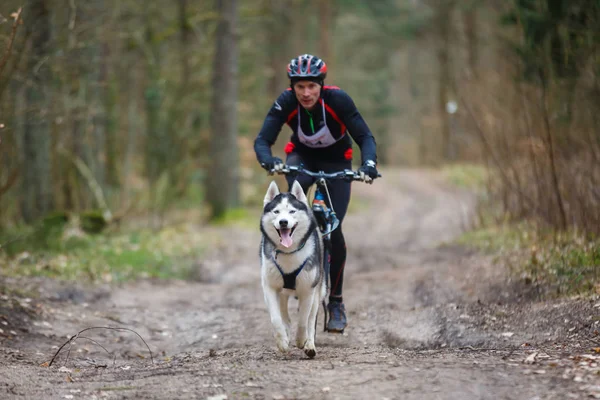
(77,336)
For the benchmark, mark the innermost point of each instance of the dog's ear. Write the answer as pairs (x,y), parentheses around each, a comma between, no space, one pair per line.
(271,192)
(298,193)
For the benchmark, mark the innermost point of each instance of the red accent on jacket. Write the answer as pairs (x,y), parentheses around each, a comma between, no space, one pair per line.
(289,147)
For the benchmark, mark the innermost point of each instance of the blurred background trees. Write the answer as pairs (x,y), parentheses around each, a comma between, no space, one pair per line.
(131,108)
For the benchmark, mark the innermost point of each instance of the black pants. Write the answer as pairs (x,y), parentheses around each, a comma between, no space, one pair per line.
(339,191)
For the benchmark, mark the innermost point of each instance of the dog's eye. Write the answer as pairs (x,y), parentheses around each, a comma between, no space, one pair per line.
(275,211)
(292,212)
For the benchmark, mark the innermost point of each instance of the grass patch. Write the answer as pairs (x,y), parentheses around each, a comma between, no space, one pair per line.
(169,254)
(558,263)
(193,198)
(238,216)
(567,263)
(498,238)
(470,176)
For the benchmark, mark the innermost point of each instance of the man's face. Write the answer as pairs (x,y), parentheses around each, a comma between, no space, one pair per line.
(307,93)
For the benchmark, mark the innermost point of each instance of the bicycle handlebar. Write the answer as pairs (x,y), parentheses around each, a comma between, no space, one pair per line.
(346,174)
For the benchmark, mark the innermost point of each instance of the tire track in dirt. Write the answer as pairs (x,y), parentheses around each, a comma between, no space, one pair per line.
(403,258)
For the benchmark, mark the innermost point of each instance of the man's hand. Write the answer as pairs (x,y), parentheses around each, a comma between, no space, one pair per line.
(368,172)
(274,163)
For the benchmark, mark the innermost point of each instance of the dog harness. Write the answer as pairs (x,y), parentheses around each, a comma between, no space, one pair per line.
(289,280)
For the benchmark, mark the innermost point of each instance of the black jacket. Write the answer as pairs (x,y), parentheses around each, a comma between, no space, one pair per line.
(342,118)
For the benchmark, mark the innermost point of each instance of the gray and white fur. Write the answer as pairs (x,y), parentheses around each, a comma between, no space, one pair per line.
(290,241)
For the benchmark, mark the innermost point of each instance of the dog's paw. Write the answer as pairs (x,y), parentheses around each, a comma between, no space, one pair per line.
(309,348)
(310,351)
(283,343)
(283,347)
(300,343)
(300,340)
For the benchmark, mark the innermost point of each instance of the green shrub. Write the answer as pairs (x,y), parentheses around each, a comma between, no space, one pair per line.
(92,221)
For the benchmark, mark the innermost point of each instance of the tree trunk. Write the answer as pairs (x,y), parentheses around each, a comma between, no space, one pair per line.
(185,33)
(78,149)
(326,27)
(279,44)
(470,24)
(299,25)
(131,141)
(113,55)
(111,169)
(36,190)
(223,177)
(176,125)
(98,119)
(443,21)
(9,163)
(155,148)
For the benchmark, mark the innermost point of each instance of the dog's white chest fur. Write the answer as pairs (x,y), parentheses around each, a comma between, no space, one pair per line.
(288,263)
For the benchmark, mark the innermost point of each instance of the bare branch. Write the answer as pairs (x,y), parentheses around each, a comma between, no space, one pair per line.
(11,40)
(92,182)
(489,148)
(552,156)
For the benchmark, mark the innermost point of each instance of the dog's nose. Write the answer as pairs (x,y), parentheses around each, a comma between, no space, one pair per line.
(283,223)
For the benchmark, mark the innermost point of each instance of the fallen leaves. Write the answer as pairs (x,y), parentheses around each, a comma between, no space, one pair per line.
(581,368)
(530,358)
(217,397)
(593,391)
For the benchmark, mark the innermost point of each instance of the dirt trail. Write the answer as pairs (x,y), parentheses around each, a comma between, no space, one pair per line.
(426,321)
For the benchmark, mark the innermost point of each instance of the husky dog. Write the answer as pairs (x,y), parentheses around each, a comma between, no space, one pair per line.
(291,255)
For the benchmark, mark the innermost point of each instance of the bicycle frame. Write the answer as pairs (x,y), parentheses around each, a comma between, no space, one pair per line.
(326,216)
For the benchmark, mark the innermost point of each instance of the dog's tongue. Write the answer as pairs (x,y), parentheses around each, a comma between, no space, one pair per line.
(286,238)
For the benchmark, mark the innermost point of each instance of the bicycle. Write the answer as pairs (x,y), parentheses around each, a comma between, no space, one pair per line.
(325,215)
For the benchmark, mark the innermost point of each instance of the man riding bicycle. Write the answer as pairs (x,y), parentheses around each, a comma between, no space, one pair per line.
(320,118)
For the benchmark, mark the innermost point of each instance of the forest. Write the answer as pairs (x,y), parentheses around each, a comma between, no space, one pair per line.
(116,112)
